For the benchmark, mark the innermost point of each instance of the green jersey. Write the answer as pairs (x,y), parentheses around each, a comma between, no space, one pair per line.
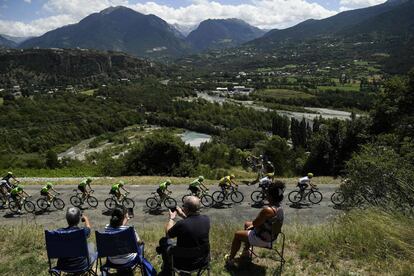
(195,183)
(116,187)
(16,191)
(163,186)
(45,189)
(83,183)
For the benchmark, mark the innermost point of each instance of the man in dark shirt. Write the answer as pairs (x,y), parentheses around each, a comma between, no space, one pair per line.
(192,231)
(73,217)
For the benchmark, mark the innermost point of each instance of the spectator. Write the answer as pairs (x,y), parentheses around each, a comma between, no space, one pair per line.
(119,221)
(192,231)
(259,232)
(73,218)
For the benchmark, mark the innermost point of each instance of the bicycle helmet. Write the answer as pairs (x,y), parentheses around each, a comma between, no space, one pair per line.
(232,176)
(10,173)
(88,180)
(201,178)
(310,175)
(168,182)
(121,183)
(49,185)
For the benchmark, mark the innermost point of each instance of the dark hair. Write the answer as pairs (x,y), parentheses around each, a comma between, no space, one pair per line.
(73,216)
(275,191)
(117,216)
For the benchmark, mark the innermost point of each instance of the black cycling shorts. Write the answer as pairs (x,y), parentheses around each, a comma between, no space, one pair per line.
(43,193)
(82,189)
(193,189)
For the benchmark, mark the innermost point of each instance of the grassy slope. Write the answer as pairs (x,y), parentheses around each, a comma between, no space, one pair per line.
(359,243)
(281,94)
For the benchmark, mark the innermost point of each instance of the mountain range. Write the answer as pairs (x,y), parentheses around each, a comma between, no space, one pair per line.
(222,33)
(386,29)
(6,43)
(123,29)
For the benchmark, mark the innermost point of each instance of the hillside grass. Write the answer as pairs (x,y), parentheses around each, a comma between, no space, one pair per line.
(152,180)
(345,87)
(369,242)
(281,94)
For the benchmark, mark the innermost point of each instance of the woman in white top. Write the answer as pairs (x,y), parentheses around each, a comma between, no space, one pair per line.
(119,221)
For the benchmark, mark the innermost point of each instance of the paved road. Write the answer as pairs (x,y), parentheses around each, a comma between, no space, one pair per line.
(238,213)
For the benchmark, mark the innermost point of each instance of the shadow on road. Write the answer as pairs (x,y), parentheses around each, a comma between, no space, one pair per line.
(11,215)
(300,205)
(221,205)
(155,212)
(107,212)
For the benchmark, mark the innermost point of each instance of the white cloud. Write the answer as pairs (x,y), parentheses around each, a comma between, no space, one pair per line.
(262,13)
(35,27)
(355,4)
(28,1)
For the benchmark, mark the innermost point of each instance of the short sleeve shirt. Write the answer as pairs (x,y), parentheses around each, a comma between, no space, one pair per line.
(190,232)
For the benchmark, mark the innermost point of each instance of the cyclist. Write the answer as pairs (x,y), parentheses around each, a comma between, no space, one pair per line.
(266,181)
(5,181)
(163,189)
(196,185)
(82,187)
(45,191)
(304,182)
(116,189)
(226,182)
(17,194)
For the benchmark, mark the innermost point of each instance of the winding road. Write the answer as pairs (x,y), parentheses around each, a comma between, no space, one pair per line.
(237,213)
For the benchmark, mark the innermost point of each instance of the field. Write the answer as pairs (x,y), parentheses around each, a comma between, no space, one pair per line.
(344,87)
(89,92)
(368,242)
(281,94)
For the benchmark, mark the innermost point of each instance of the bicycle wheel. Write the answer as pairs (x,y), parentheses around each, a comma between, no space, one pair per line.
(337,198)
(110,203)
(237,196)
(29,206)
(42,204)
(13,206)
(295,196)
(58,203)
(170,203)
(92,201)
(315,197)
(3,202)
(257,196)
(152,203)
(76,201)
(218,196)
(207,200)
(128,203)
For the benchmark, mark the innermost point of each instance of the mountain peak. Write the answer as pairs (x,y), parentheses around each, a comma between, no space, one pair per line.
(116,8)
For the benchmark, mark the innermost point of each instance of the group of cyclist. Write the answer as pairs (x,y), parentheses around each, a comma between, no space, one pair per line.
(265,178)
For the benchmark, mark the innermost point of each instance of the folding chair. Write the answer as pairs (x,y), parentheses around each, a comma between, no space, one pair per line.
(276,233)
(191,253)
(119,243)
(68,244)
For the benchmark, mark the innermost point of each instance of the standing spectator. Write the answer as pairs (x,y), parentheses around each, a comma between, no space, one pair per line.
(73,218)
(259,232)
(192,231)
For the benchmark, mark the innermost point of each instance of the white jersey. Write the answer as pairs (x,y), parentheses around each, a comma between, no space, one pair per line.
(265,181)
(304,180)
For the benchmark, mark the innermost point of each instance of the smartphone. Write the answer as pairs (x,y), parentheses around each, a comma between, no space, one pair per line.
(131,212)
(173,209)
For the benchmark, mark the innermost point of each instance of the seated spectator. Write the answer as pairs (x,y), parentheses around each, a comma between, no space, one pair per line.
(73,218)
(119,221)
(192,231)
(259,232)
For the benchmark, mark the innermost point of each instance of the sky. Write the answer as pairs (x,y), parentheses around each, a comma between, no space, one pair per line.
(24,18)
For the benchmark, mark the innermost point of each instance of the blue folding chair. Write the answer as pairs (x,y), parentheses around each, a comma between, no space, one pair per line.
(119,243)
(68,244)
